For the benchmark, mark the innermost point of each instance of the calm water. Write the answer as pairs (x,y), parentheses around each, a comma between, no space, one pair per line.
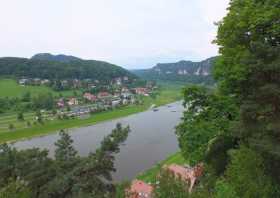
(151,140)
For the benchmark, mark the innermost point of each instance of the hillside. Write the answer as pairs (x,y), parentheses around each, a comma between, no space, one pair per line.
(59,58)
(64,67)
(10,88)
(184,71)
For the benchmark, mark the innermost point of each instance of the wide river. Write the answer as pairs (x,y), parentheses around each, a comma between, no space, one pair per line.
(151,140)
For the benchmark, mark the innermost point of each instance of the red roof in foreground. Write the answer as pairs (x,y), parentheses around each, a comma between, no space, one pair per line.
(140,189)
(187,173)
(184,173)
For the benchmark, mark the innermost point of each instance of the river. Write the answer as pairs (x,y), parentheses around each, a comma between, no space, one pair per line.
(152,139)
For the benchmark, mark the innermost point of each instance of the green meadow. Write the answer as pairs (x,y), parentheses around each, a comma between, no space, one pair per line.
(10,88)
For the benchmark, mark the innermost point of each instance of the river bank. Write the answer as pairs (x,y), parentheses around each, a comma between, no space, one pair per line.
(166,96)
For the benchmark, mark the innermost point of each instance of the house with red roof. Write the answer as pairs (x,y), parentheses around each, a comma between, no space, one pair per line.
(142,91)
(187,174)
(139,189)
(103,94)
(90,97)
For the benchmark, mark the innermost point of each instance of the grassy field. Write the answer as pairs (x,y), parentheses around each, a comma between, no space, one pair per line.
(151,174)
(10,88)
(22,131)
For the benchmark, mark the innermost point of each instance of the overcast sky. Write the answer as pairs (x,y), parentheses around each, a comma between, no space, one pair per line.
(131,33)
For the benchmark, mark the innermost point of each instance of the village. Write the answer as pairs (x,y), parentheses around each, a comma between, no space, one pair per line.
(94,96)
(90,103)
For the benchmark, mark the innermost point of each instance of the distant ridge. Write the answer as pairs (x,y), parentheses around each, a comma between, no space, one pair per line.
(48,66)
(51,57)
(184,71)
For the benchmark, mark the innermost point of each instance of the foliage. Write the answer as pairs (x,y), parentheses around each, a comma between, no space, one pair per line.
(207,117)
(246,174)
(242,115)
(43,101)
(224,189)
(11,127)
(65,153)
(170,186)
(249,69)
(20,116)
(76,69)
(15,189)
(68,175)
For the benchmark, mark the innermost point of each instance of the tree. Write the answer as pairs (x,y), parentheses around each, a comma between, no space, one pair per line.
(39,117)
(11,127)
(65,153)
(91,176)
(43,101)
(223,189)
(15,189)
(67,175)
(28,124)
(26,96)
(246,175)
(208,115)
(249,70)
(20,116)
(170,186)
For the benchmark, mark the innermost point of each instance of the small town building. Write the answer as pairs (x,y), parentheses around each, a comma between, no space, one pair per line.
(73,101)
(116,103)
(90,97)
(23,81)
(186,173)
(45,82)
(60,103)
(126,95)
(142,91)
(36,81)
(118,81)
(103,94)
(139,189)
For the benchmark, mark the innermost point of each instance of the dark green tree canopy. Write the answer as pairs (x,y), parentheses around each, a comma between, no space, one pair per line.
(67,175)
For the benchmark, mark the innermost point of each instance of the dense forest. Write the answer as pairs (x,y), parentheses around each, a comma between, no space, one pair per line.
(75,69)
(182,71)
(235,129)
(59,58)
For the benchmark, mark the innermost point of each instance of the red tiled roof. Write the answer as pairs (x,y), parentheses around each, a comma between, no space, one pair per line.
(90,96)
(190,174)
(140,189)
(103,94)
(184,173)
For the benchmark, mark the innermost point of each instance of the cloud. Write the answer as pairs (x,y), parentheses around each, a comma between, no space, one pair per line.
(136,33)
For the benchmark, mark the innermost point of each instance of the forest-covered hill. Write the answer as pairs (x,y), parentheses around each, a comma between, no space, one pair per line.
(61,67)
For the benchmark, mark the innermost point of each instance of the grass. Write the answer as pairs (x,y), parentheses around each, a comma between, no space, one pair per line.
(21,131)
(150,175)
(10,88)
